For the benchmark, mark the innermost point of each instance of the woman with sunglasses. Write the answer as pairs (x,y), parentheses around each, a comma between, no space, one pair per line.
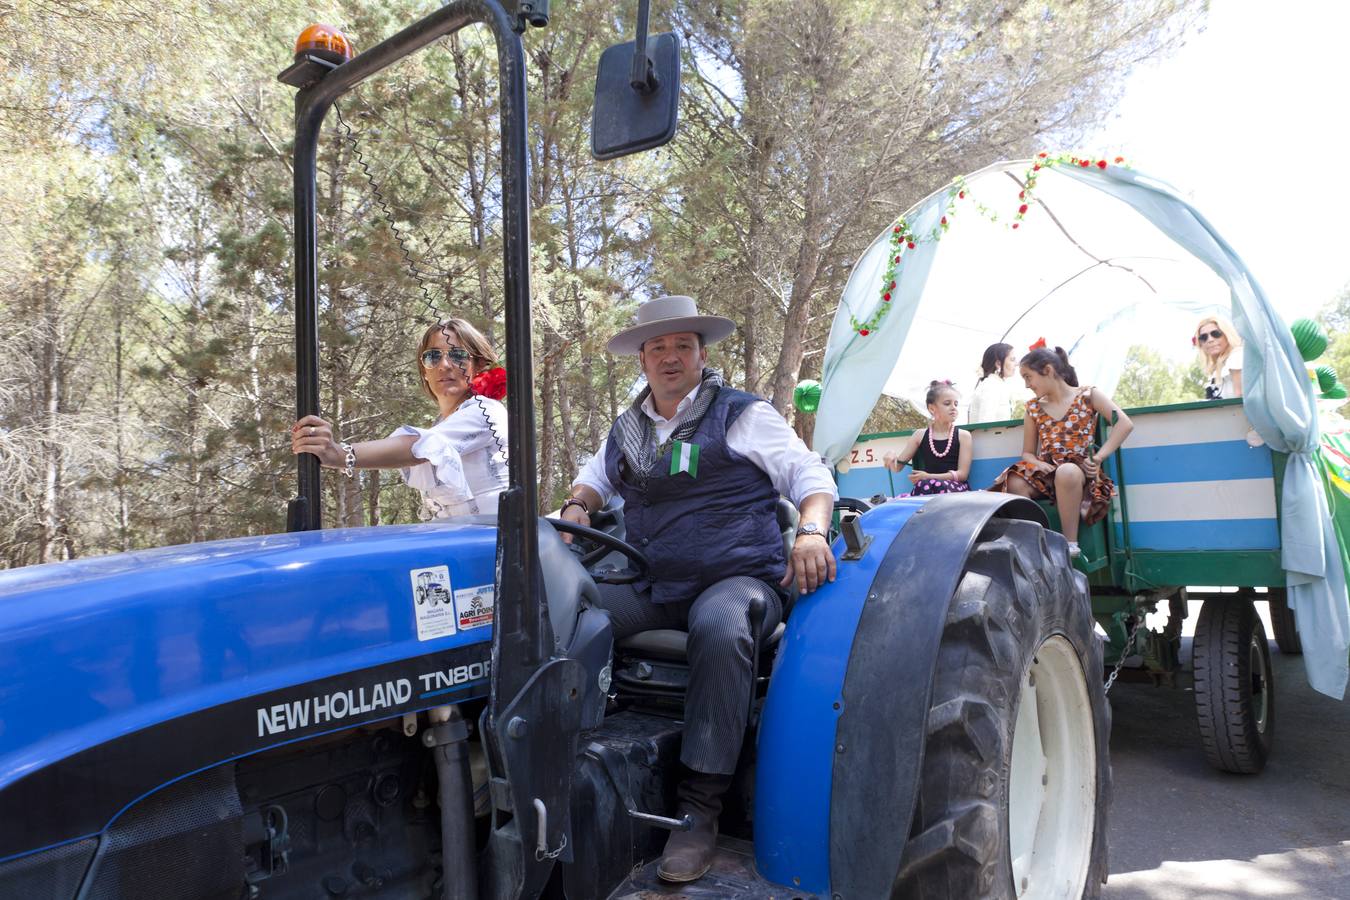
(459,464)
(1220,358)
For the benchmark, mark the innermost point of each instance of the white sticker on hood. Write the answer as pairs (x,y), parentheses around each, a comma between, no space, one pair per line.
(432,603)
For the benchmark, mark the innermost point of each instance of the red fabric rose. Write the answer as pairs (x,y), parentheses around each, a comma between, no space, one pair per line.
(886,296)
(910,245)
(1101,164)
(1021,210)
(491,384)
(863,332)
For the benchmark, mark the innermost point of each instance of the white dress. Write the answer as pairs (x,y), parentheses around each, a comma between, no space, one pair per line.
(465,468)
(1222,388)
(992,401)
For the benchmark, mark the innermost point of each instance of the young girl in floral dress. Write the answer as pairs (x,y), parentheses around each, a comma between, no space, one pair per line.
(1058,461)
(940,454)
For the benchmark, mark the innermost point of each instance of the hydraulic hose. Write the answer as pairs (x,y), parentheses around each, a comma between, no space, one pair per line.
(448,738)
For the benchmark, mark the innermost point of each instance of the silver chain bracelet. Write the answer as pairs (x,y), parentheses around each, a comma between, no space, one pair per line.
(350,461)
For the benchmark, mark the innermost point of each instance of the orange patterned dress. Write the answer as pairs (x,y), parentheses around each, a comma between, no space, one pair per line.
(1067,440)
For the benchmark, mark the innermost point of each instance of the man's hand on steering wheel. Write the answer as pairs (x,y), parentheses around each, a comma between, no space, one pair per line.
(577,508)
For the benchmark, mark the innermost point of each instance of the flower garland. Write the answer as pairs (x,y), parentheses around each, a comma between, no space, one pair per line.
(903,237)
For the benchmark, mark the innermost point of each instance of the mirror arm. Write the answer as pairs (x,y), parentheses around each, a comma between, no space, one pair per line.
(643,78)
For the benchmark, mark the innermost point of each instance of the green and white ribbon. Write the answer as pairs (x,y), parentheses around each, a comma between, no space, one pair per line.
(684,458)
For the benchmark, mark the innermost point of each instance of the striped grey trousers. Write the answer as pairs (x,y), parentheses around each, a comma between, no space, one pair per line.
(718,623)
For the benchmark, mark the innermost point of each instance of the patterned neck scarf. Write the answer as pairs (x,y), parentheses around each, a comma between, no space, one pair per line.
(637,431)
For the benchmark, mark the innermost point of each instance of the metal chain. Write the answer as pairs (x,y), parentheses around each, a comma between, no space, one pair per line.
(1124,652)
(541,855)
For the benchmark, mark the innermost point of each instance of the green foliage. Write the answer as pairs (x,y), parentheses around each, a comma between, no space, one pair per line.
(1150,380)
(1335,319)
(147,224)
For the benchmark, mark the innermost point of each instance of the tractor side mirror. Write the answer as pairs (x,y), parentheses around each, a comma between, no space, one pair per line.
(637,94)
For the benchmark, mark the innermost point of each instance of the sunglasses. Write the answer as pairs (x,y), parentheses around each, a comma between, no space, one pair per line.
(457,355)
(1206,335)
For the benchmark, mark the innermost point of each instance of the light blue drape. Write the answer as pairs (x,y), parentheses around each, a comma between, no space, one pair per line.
(1277,397)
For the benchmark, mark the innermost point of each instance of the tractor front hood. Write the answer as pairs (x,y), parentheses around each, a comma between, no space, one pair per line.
(124,672)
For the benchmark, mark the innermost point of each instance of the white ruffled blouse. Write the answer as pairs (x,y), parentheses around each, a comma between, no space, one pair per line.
(465,468)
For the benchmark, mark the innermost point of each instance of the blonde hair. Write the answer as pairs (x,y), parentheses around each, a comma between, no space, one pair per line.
(1214,367)
(470,338)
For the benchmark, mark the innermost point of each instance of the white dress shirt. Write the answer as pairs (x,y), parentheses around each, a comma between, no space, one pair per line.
(759,434)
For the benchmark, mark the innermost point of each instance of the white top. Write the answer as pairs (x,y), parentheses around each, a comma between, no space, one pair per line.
(1225,385)
(465,466)
(992,400)
(759,434)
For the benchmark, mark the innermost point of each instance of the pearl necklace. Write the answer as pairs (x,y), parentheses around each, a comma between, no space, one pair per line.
(951,439)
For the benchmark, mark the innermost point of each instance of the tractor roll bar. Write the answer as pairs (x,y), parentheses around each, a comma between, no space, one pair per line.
(519,506)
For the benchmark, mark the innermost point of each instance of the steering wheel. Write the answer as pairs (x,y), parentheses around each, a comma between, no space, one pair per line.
(608,543)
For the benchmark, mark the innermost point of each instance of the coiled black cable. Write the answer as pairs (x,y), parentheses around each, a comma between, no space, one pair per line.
(430,306)
(388,210)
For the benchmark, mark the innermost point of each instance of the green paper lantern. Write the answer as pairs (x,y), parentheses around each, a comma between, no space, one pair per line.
(1326,377)
(1335,392)
(1310,338)
(806,396)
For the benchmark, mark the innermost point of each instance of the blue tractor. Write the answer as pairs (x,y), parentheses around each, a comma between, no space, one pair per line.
(280,717)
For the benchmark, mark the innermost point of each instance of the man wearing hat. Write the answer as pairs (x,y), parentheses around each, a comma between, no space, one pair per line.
(700,467)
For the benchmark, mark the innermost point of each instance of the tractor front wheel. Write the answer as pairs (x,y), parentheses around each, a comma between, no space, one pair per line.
(1016,778)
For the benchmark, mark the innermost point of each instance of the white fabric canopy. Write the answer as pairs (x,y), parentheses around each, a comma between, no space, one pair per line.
(1104,259)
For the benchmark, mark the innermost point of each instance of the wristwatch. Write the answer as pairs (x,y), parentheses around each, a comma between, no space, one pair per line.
(810,528)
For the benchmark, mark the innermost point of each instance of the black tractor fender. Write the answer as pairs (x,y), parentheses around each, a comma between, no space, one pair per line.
(888,686)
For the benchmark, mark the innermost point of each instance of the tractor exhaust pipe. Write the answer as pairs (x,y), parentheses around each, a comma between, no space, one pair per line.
(448,739)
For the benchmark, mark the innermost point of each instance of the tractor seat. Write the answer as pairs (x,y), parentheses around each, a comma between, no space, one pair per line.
(672,644)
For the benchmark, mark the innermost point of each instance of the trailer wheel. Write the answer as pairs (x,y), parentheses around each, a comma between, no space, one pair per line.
(1234,696)
(1282,622)
(1016,777)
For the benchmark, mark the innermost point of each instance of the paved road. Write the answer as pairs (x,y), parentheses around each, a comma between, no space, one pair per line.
(1183,831)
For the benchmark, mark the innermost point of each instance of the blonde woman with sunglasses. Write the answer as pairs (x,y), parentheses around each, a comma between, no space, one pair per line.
(1220,358)
(459,464)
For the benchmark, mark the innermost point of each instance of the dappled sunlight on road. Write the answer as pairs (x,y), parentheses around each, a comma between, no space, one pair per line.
(1180,830)
(1310,874)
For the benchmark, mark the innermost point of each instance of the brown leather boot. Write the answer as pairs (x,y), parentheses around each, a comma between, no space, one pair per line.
(689,854)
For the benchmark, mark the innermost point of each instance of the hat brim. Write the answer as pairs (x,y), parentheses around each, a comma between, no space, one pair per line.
(713,328)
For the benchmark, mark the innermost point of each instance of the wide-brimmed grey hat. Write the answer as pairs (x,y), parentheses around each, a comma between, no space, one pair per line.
(669,315)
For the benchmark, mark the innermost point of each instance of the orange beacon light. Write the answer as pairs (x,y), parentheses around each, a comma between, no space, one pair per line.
(325,42)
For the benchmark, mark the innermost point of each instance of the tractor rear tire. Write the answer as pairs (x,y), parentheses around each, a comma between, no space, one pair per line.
(1016,775)
(1234,691)
(1282,622)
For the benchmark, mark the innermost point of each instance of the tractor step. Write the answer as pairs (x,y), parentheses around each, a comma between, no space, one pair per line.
(732,877)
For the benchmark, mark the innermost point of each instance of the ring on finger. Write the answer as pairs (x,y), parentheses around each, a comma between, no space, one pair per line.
(311,430)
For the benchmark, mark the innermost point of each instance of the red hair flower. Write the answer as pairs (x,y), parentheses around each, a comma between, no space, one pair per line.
(491,384)
(1039,345)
